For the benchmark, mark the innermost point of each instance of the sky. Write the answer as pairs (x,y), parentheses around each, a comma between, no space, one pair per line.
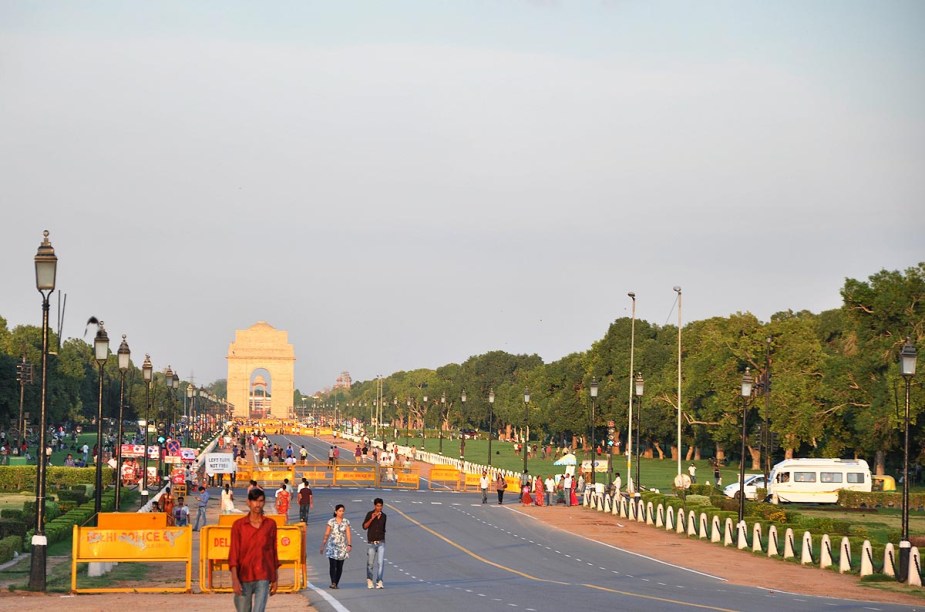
(405,184)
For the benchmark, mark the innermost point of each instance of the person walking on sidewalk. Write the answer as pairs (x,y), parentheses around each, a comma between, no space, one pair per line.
(202,501)
(500,486)
(306,500)
(483,485)
(253,557)
(374,524)
(337,544)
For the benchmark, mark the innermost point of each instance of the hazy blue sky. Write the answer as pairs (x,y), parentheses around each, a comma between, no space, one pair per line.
(406,184)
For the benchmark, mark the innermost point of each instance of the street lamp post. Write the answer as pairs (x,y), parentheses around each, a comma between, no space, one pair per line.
(593,449)
(46,264)
(407,419)
(491,420)
(907,365)
(147,373)
(747,382)
(168,382)
(175,384)
(462,436)
(423,431)
(677,290)
(190,394)
(629,433)
(440,424)
(640,389)
(101,354)
(526,425)
(125,358)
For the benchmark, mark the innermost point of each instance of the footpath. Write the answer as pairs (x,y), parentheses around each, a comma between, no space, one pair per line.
(732,565)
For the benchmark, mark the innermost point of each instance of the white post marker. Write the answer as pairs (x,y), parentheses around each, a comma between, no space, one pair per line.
(715,535)
(825,552)
(889,560)
(915,562)
(756,537)
(844,556)
(772,541)
(867,554)
(806,552)
(789,552)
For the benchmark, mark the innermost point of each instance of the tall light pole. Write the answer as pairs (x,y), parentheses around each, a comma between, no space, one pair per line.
(147,373)
(168,381)
(593,449)
(639,384)
(423,431)
(747,382)
(101,354)
(23,377)
(629,434)
(462,436)
(440,424)
(407,419)
(678,291)
(767,411)
(526,425)
(174,384)
(907,361)
(125,359)
(46,265)
(491,420)
(190,394)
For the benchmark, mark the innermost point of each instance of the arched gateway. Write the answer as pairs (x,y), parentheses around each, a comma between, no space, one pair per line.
(261,372)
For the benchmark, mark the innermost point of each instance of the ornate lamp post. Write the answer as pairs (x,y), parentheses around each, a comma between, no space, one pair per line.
(640,385)
(677,290)
(747,383)
(462,436)
(147,373)
(46,265)
(101,354)
(629,433)
(423,431)
(491,420)
(593,449)
(125,359)
(907,369)
(526,425)
(190,394)
(442,419)
(162,424)
(175,384)
(407,419)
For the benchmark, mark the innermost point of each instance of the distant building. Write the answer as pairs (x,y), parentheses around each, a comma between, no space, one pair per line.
(343,381)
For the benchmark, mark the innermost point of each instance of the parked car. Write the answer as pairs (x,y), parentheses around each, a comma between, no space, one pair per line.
(468,434)
(753,482)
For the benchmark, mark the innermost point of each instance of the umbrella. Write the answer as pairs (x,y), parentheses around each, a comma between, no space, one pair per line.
(568,459)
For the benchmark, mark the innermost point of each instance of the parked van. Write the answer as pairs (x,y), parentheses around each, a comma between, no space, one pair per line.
(817,480)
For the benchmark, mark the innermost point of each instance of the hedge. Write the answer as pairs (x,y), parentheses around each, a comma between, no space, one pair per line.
(879,499)
(16,478)
(9,546)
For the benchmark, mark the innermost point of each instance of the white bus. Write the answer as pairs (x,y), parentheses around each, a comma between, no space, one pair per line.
(817,480)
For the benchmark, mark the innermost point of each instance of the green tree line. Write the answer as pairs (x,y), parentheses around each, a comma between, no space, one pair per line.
(835,388)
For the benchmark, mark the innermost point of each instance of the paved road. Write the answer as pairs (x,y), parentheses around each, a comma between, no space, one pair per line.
(447,551)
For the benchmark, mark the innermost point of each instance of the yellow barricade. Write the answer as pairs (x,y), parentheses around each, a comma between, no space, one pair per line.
(444,476)
(472,481)
(399,478)
(131,520)
(215,544)
(127,545)
(513,484)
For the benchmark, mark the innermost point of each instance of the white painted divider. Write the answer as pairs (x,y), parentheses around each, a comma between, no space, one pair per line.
(679,528)
(660,516)
(889,560)
(844,556)
(649,513)
(825,552)
(669,519)
(703,525)
(915,563)
(741,539)
(715,535)
(727,532)
(867,559)
(692,523)
(756,537)
(806,551)
(772,541)
(789,544)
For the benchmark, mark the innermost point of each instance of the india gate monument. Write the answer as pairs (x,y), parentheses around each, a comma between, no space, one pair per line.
(261,372)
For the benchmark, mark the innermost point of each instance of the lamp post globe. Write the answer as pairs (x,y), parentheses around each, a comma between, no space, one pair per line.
(101,354)
(907,359)
(46,267)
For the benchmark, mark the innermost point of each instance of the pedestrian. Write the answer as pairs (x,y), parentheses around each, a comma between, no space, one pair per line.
(181,513)
(167,504)
(718,477)
(202,501)
(692,470)
(617,483)
(306,500)
(228,500)
(253,557)
(567,488)
(303,454)
(548,487)
(337,544)
(500,486)
(282,500)
(483,485)
(374,524)
(331,457)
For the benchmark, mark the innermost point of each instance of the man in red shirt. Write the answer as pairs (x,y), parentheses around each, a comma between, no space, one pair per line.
(253,557)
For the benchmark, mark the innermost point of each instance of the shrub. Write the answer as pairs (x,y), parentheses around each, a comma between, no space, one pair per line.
(878,499)
(12,513)
(8,546)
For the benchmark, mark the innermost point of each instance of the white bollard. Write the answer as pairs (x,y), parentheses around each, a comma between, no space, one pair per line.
(806,553)
(649,513)
(669,519)
(632,510)
(624,513)
(889,560)
(692,523)
(915,568)
(727,532)
(867,559)
(741,540)
(679,528)
(844,556)
(756,537)
(587,501)
(715,535)
(703,525)
(825,552)
(660,516)
(772,541)
(789,544)
(607,505)
(641,511)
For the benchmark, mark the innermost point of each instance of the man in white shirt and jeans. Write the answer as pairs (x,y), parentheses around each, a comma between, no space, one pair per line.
(483,485)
